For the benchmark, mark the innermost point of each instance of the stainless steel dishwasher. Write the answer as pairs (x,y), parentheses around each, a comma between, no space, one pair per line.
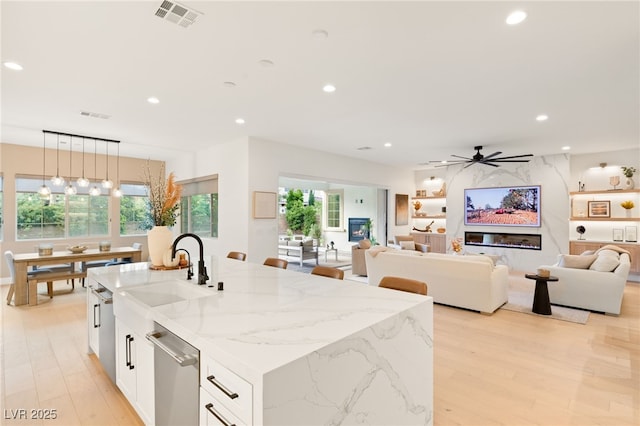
(177,378)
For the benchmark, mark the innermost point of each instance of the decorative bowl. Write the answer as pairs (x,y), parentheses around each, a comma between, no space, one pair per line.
(77,249)
(45,250)
(104,245)
(441,230)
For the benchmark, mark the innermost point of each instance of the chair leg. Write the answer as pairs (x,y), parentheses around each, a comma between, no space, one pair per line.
(12,289)
(50,289)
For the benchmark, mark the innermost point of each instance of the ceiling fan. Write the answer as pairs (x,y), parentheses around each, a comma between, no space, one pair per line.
(489,160)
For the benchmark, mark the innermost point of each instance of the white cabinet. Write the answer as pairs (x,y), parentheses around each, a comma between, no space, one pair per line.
(134,370)
(224,396)
(93,320)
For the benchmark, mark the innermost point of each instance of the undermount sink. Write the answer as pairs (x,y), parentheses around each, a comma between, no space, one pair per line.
(163,293)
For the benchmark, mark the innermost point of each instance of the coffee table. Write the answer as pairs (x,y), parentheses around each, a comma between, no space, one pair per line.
(541,303)
(335,250)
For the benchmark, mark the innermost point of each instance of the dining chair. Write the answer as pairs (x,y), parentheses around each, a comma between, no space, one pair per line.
(327,271)
(275,262)
(12,271)
(404,284)
(63,267)
(238,255)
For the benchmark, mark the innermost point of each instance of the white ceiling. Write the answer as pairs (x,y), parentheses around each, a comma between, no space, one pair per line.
(432,78)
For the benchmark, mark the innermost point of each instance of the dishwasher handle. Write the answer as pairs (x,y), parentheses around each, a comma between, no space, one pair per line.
(182,359)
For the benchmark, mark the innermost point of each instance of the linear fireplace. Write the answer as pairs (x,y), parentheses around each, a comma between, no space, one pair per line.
(504,240)
(358,228)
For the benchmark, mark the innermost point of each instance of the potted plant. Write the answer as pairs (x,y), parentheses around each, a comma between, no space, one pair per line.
(164,203)
(628,173)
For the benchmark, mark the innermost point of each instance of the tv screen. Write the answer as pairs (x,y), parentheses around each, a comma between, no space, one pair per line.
(504,206)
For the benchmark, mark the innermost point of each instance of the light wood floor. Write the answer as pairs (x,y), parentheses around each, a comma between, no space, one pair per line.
(505,369)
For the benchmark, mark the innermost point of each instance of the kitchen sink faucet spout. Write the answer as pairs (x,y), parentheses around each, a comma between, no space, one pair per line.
(202,270)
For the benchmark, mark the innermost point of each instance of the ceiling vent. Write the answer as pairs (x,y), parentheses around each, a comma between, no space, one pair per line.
(177,13)
(94,115)
(364,148)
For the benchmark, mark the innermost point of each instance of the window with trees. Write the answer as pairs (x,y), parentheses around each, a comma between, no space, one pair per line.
(134,208)
(199,206)
(59,215)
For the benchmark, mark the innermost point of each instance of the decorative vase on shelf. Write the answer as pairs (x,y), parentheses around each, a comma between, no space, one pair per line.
(628,212)
(629,183)
(159,238)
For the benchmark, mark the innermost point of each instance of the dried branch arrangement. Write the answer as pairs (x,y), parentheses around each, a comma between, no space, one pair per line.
(164,197)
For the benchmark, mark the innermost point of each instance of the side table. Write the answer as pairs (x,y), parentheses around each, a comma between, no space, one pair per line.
(335,250)
(541,303)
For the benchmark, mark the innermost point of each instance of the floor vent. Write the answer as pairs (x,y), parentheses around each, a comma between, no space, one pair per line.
(177,13)
(94,115)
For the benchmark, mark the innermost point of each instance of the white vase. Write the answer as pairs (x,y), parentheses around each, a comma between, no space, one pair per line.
(629,183)
(159,239)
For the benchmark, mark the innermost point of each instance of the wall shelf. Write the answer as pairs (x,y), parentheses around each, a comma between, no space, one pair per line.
(605,219)
(442,216)
(606,192)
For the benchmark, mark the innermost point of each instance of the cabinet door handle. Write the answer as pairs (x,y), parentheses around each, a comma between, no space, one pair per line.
(218,416)
(96,324)
(131,366)
(220,386)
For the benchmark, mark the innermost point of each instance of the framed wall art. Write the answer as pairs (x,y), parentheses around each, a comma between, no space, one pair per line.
(264,205)
(631,234)
(599,208)
(617,234)
(402,209)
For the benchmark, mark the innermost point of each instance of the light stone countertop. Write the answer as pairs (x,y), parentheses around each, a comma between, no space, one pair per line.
(266,317)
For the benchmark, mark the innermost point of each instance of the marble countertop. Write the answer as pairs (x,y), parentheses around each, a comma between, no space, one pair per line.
(265,317)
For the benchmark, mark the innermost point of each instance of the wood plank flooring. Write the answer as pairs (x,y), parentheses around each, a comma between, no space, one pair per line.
(505,369)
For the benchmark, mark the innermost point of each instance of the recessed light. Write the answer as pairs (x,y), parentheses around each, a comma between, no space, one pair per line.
(329,88)
(266,63)
(153,100)
(516,17)
(542,117)
(320,34)
(240,121)
(229,84)
(566,148)
(387,145)
(13,66)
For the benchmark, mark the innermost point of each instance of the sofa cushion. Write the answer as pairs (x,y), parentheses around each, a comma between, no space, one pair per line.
(576,261)
(364,244)
(606,263)
(407,245)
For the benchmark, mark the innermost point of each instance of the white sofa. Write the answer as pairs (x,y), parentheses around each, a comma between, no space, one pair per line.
(470,282)
(587,288)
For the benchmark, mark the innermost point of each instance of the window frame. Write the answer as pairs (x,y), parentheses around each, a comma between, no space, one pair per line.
(325,207)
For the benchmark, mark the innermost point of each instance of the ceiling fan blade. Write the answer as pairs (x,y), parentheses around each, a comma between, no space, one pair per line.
(514,156)
(488,157)
(465,158)
(510,161)
(480,162)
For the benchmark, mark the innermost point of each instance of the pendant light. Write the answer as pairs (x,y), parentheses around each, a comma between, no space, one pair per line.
(83,181)
(70,189)
(107,183)
(94,191)
(57,180)
(44,190)
(117,192)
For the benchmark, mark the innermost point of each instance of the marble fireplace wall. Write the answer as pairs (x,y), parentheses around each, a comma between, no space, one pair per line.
(551,172)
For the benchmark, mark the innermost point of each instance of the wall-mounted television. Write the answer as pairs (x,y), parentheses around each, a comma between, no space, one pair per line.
(503,206)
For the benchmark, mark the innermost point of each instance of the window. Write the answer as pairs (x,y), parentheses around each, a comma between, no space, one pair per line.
(334,216)
(59,216)
(134,207)
(199,206)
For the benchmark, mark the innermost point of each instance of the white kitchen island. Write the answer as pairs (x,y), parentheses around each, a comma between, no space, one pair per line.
(304,349)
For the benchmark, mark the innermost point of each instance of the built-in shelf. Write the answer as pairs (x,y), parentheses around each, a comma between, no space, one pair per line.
(430,198)
(605,191)
(440,216)
(606,219)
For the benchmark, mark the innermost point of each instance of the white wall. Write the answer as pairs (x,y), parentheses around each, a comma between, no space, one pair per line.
(244,166)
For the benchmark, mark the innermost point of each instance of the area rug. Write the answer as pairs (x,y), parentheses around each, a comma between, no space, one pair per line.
(308,265)
(522,302)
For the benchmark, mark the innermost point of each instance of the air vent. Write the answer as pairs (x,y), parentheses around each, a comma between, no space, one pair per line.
(94,115)
(364,148)
(177,13)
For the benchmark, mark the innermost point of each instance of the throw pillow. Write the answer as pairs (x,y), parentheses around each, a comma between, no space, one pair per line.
(364,244)
(407,245)
(576,261)
(587,252)
(605,264)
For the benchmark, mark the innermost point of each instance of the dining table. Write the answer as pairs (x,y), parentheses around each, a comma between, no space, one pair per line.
(23,261)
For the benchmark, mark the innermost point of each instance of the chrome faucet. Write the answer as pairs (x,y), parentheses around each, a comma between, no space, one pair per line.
(202,270)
